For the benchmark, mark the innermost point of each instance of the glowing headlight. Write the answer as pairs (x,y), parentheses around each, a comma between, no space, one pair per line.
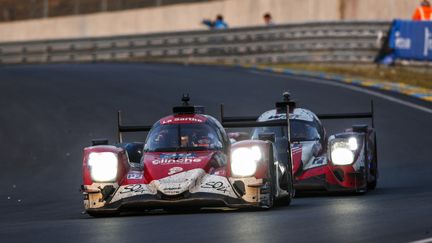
(103,166)
(342,156)
(244,161)
(343,151)
(352,143)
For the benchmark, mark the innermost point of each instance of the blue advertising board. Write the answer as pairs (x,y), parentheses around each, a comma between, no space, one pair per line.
(411,40)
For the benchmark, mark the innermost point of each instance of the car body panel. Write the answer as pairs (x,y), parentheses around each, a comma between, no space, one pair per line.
(180,177)
(312,167)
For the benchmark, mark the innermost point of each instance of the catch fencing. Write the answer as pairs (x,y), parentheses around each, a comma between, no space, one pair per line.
(354,42)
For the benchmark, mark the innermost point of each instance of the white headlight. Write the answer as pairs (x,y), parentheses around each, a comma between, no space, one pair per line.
(352,143)
(342,156)
(103,166)
(244,161)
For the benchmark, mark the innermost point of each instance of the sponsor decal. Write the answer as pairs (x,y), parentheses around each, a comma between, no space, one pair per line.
(176,161)
(173,188)
(173,159)
(134,176)
(401,42)
(217,185)
(134,188)
(428,42)
(174,170)
(181,155)
(181,119)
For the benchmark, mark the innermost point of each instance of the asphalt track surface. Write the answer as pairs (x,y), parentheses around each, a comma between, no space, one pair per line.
(49,113)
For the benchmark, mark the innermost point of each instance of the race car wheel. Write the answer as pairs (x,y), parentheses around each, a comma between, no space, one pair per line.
(360,190)
(371,185)
(286,201)
(271,183)
(374,168)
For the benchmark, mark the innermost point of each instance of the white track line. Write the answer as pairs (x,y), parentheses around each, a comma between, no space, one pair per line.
(428,240)
(351,87)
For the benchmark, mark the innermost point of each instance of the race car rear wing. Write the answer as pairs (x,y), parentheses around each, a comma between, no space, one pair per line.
(360,115)
(251,121)
(128,128)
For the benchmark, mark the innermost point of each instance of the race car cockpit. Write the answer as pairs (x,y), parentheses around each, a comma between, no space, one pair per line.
(300,131)
(182,137)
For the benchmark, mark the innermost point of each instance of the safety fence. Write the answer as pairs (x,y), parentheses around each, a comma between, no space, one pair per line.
(356,42)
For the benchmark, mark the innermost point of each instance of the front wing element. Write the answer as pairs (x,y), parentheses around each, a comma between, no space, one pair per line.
(194,187)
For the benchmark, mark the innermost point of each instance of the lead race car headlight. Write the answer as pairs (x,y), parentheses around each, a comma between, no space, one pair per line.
(244,161)
(103,166)
(343,151)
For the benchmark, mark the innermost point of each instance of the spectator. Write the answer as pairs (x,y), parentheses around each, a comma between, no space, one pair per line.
(268,20)
(424,12)
(218,24)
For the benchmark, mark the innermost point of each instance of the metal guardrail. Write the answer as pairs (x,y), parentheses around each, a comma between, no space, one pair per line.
(307,42)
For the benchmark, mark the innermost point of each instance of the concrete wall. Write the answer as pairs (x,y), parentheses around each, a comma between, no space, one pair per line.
(237,13)
(379,9)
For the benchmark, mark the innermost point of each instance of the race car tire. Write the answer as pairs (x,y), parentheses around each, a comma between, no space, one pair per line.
(271,181)
(371,185)
(374,168)
(284,201)
(363,190)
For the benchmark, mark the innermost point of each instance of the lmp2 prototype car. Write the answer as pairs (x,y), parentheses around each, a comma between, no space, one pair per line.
(346,161)
(187,160)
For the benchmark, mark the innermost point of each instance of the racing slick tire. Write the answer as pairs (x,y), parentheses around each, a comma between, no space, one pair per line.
(364,188)
(271,180)
(286,201)
(371,185)
(374,167)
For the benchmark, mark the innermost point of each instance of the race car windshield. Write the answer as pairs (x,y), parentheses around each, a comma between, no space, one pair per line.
(182,137)
(300,131)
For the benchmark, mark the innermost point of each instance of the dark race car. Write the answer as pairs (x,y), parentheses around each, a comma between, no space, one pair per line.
(345,161)
(187,160)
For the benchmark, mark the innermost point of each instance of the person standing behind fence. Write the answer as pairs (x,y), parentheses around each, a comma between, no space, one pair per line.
(424,12)
(268,20)
(218,24)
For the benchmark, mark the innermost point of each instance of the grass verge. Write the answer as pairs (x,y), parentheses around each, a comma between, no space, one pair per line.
(416,76)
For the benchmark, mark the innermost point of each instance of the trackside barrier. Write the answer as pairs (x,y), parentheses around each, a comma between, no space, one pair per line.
(355,42)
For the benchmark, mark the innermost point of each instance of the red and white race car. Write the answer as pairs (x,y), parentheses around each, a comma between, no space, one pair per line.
(346,161)
(187,160)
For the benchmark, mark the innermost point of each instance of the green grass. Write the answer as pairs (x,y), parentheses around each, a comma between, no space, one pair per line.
(417,76)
